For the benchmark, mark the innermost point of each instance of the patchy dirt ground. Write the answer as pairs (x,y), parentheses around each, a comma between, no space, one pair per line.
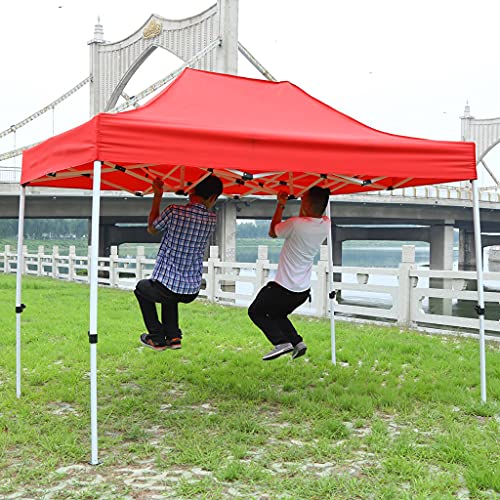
(143,479)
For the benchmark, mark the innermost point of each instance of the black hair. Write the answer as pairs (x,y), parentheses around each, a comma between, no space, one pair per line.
(318,199)
(208,187)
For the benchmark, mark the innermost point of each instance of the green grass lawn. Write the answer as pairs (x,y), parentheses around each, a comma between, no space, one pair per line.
(398,417)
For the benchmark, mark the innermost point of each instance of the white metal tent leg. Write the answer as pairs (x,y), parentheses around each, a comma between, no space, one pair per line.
(94,256)
(480,288)
(330,286)
(19,278)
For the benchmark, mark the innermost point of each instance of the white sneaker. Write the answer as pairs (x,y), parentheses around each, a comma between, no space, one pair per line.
(278,351)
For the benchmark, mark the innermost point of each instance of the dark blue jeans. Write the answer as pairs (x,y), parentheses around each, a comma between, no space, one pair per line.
(270,309)
(149,293)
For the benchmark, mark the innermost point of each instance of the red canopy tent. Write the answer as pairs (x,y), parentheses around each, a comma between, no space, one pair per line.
(236,125)
(259,137)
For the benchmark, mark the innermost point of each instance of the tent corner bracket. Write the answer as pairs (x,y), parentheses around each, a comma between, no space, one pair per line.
(480,310)
(20,309)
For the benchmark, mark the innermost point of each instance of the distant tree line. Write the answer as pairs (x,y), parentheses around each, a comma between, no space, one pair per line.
(78,228)
(254,229)
(50,229)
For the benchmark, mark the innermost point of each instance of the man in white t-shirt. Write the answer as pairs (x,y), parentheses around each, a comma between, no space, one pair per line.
(292,285)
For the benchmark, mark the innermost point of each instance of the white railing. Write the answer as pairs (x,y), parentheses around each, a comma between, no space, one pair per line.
(408,296)
(10,175)
(449,192)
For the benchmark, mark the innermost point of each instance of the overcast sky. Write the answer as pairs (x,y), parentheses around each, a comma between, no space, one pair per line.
(402,67)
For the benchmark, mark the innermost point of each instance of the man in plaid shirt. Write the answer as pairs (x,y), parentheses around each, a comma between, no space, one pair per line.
(178,269)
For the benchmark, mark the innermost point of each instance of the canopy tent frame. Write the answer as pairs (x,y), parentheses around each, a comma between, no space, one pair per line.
(331,291)
(93,306)
(480,287)
(19,276)
(93,331)
(84,160)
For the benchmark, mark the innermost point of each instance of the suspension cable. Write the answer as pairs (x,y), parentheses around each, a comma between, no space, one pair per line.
(44,110)
(16,152)
(256,63)
(132,101)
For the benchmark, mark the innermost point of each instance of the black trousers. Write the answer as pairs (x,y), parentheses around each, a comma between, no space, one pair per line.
(270,309)
(148,293)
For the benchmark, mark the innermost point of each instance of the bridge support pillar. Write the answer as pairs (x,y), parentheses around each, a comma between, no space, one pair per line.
(441,258)
(466,250)
(467,262)
(105,239)
(337,254)
(225,238)
(227,53)
(225,232)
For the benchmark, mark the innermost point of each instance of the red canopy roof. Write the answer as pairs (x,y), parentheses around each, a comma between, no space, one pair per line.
(258,136)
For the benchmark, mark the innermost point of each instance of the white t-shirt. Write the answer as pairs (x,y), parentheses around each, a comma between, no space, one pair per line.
(303,237)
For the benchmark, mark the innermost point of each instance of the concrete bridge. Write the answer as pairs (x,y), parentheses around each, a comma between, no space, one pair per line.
(397,217)
(424,214)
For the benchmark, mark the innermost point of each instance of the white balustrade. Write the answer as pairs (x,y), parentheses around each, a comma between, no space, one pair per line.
(405,289)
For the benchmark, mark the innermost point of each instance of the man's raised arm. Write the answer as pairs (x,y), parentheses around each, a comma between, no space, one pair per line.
(278,213)
(155,208)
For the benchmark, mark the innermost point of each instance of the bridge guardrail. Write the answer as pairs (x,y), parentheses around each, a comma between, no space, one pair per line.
(10,175)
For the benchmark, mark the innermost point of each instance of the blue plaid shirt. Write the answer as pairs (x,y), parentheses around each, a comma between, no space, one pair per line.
(186,229)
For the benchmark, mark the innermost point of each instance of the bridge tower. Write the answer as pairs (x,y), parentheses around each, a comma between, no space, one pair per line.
(206,41)
(485,133)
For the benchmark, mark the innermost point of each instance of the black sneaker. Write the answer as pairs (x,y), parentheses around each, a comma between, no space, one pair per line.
(147,341)
(299,350)
(278,351)
(174,343)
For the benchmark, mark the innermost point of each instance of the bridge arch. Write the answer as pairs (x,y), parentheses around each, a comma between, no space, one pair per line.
(131,71)
(487,150)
